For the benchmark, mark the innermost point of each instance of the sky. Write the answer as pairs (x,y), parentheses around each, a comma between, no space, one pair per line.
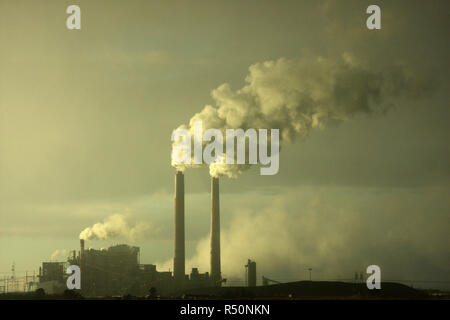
(86,118)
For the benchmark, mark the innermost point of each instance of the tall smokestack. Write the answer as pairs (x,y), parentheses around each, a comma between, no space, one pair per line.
(215,231)
(82,255)
(81,248)
(179,255)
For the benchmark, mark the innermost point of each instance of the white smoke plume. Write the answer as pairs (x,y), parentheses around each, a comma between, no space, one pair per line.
(297,96)
(116,226)
(59,254)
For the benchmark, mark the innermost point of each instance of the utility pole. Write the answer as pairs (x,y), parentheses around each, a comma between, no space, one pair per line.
(13,277)
(310,269)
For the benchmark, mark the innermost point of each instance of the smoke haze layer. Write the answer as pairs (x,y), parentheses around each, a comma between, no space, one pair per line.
(334,230)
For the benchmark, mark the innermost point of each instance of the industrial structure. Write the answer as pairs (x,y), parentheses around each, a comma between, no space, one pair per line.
(117,270)
(250,273)
(179,247)
(52,277)
(14,283)
(215,233)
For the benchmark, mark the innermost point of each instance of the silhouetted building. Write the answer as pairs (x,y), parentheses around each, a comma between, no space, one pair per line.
(52,277)
(116,271)
(251,273)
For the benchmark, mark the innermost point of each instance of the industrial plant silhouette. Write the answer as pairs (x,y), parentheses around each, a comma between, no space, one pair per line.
(117,272)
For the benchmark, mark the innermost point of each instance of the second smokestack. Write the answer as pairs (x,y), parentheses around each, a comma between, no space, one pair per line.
(179,255)
(215,232)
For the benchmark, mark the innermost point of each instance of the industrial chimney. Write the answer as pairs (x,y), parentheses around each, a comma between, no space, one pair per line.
(251,273)
(81,249)
(179,256)
(215,232)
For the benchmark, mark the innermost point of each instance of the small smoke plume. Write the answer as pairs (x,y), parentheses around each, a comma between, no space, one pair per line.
(116,226)
(59,254)
(296,96)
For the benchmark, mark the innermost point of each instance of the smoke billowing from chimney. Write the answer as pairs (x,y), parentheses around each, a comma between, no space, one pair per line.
(299,95)
(59,254)
(116,226)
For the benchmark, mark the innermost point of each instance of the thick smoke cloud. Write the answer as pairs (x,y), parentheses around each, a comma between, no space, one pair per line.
(297,96)
(116,226)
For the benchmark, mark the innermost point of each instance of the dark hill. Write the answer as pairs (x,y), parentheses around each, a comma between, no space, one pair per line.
(309,289)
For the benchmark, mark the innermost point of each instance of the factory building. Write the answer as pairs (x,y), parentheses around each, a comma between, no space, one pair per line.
(52,271)
(52,277)
(117,270)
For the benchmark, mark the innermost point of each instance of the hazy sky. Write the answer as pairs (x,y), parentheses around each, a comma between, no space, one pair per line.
(86,118)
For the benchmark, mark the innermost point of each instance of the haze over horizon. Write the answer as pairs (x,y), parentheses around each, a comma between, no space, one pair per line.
(86,118)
